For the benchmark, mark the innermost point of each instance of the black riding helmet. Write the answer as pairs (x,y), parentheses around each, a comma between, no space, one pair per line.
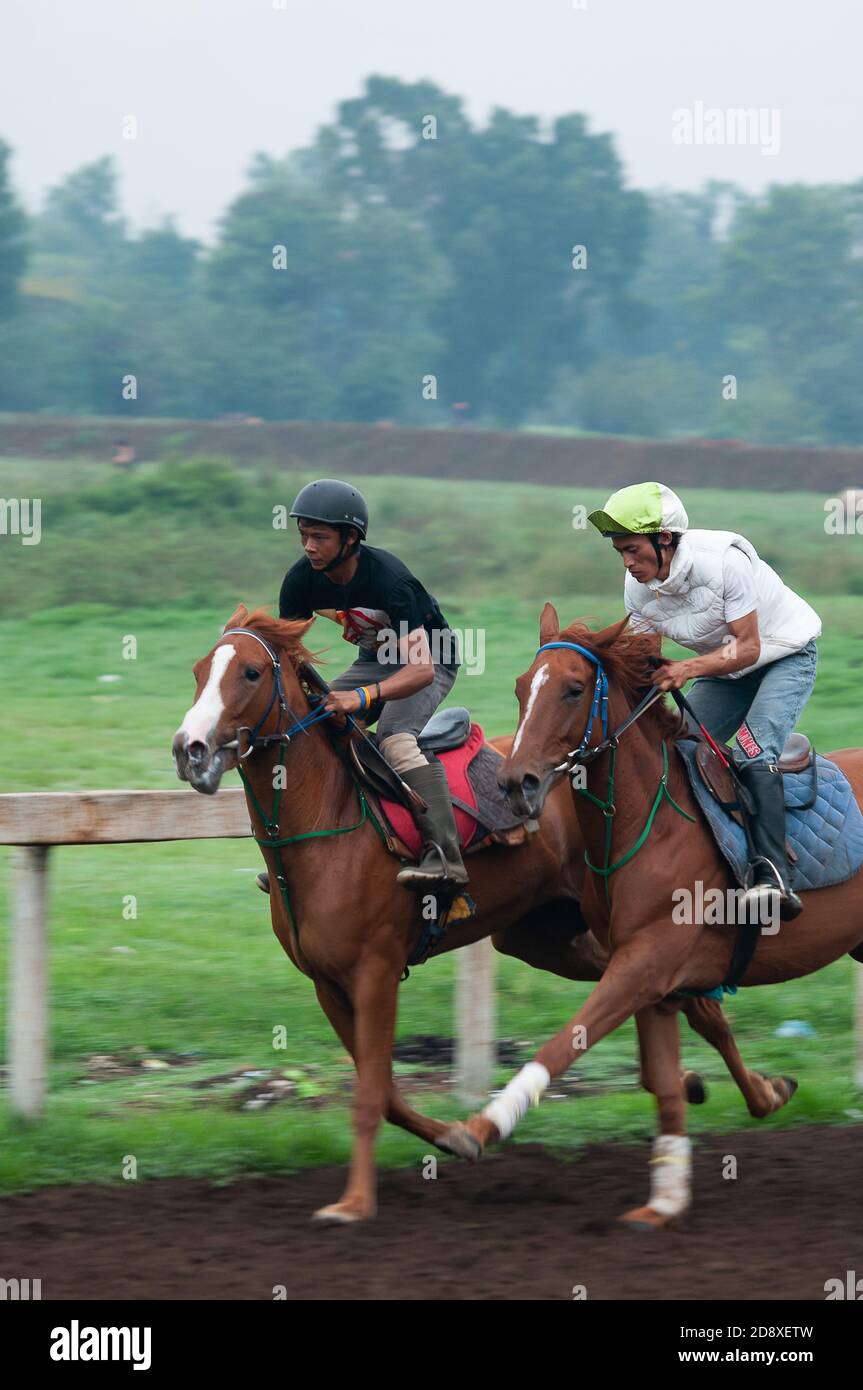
(336,504)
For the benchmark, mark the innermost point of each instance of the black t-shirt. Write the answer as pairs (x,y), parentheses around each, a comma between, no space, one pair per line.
(383,595)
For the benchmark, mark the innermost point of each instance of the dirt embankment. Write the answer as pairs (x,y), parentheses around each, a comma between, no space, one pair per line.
(345,449)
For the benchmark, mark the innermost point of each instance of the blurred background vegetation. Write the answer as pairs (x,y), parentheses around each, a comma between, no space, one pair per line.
(407,256)
(193,530)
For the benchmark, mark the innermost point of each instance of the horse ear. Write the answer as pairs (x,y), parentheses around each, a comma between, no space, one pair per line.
(608,635)
(549,625)
(295,629)
(237,619)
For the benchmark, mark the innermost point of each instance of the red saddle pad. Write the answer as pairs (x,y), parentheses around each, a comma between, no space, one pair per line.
(456,761)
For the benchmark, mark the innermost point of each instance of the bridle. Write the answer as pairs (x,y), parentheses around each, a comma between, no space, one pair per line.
(583,753)
(747,938)
(272,840)
(299,726)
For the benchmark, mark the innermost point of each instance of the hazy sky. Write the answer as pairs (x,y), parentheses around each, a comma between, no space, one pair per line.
(212,81)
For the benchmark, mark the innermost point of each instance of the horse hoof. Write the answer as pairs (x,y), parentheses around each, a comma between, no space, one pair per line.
(339,1214)
(645,1219)
(459,1140)
(445,1145)
(696,1091)
(783,1088)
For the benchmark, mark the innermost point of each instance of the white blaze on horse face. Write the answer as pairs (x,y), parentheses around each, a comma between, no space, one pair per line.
(202,718)
(539,679)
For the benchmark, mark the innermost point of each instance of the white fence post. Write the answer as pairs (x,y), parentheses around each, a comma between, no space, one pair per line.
(475,1021)
(28,981)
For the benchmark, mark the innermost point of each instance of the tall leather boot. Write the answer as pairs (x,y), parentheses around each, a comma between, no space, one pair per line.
(440,861)
(771,870)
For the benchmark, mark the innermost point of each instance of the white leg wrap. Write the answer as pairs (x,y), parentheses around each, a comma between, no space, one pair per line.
(524,1090)
(670,1174)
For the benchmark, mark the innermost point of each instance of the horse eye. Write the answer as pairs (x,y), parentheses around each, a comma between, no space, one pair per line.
(251,673)
(574,692)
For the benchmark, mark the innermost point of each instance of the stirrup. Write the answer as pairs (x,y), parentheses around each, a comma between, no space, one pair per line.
(414,875)
(749,880)
(790,905)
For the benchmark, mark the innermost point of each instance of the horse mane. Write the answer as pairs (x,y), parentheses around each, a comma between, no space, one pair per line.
(283,634)
(625,661)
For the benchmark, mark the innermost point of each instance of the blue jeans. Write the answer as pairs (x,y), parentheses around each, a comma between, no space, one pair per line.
(761,708)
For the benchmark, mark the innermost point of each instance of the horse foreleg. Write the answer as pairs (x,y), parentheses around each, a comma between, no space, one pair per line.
(544,940)
(670,1166)
(763,1094)
(640,973)
(341,1015)
(374,1004)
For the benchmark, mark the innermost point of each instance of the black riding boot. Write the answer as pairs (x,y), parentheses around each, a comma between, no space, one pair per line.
(770,867)
(440,862)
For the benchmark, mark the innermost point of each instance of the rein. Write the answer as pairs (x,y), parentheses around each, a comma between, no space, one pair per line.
(583,755)
(299,726)
(272,840)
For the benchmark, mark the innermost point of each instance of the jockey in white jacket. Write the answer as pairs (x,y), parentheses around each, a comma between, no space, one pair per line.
(754,640)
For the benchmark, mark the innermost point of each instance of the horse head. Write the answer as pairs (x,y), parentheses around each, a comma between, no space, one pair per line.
(244,685)
(562,702)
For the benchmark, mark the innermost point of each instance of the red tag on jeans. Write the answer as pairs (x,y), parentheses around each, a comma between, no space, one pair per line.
(747,742)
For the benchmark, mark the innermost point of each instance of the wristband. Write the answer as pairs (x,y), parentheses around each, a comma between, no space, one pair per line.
(361,691)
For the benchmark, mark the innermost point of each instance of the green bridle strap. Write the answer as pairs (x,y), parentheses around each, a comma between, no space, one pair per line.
(609,810)
(272,840)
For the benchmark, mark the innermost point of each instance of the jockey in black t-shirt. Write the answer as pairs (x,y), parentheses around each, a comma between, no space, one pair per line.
(407,657)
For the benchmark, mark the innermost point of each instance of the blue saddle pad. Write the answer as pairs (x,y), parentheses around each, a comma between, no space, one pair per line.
(827,838)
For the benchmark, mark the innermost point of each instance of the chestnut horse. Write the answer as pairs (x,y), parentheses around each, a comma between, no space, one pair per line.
(342,918)
(635,782)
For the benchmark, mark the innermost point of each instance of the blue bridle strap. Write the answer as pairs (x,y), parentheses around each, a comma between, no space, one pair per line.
(299,726)
(600,702)
(600,692)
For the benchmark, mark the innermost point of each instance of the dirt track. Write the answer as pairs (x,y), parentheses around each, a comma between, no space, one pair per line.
(521,1224)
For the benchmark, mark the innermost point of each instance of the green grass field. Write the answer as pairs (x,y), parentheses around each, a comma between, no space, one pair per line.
(198,982)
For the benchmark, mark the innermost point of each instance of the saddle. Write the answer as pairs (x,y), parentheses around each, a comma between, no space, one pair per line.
(797,755)
(824,824)
(482,814)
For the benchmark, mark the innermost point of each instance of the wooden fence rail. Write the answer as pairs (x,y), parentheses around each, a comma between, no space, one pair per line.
(34,822)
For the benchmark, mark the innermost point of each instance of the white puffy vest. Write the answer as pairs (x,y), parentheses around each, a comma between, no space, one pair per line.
(688,606)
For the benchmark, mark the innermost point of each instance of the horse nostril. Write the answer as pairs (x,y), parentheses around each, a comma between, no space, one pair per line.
(197,751)
(530,784)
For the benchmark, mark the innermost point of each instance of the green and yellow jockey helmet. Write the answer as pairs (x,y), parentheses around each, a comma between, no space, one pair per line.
(641,509)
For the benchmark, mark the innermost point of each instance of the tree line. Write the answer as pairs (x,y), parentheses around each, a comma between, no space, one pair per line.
(412,265)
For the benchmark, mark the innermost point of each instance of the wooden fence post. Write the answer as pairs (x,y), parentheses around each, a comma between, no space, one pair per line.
(28,981)
(474,1021)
